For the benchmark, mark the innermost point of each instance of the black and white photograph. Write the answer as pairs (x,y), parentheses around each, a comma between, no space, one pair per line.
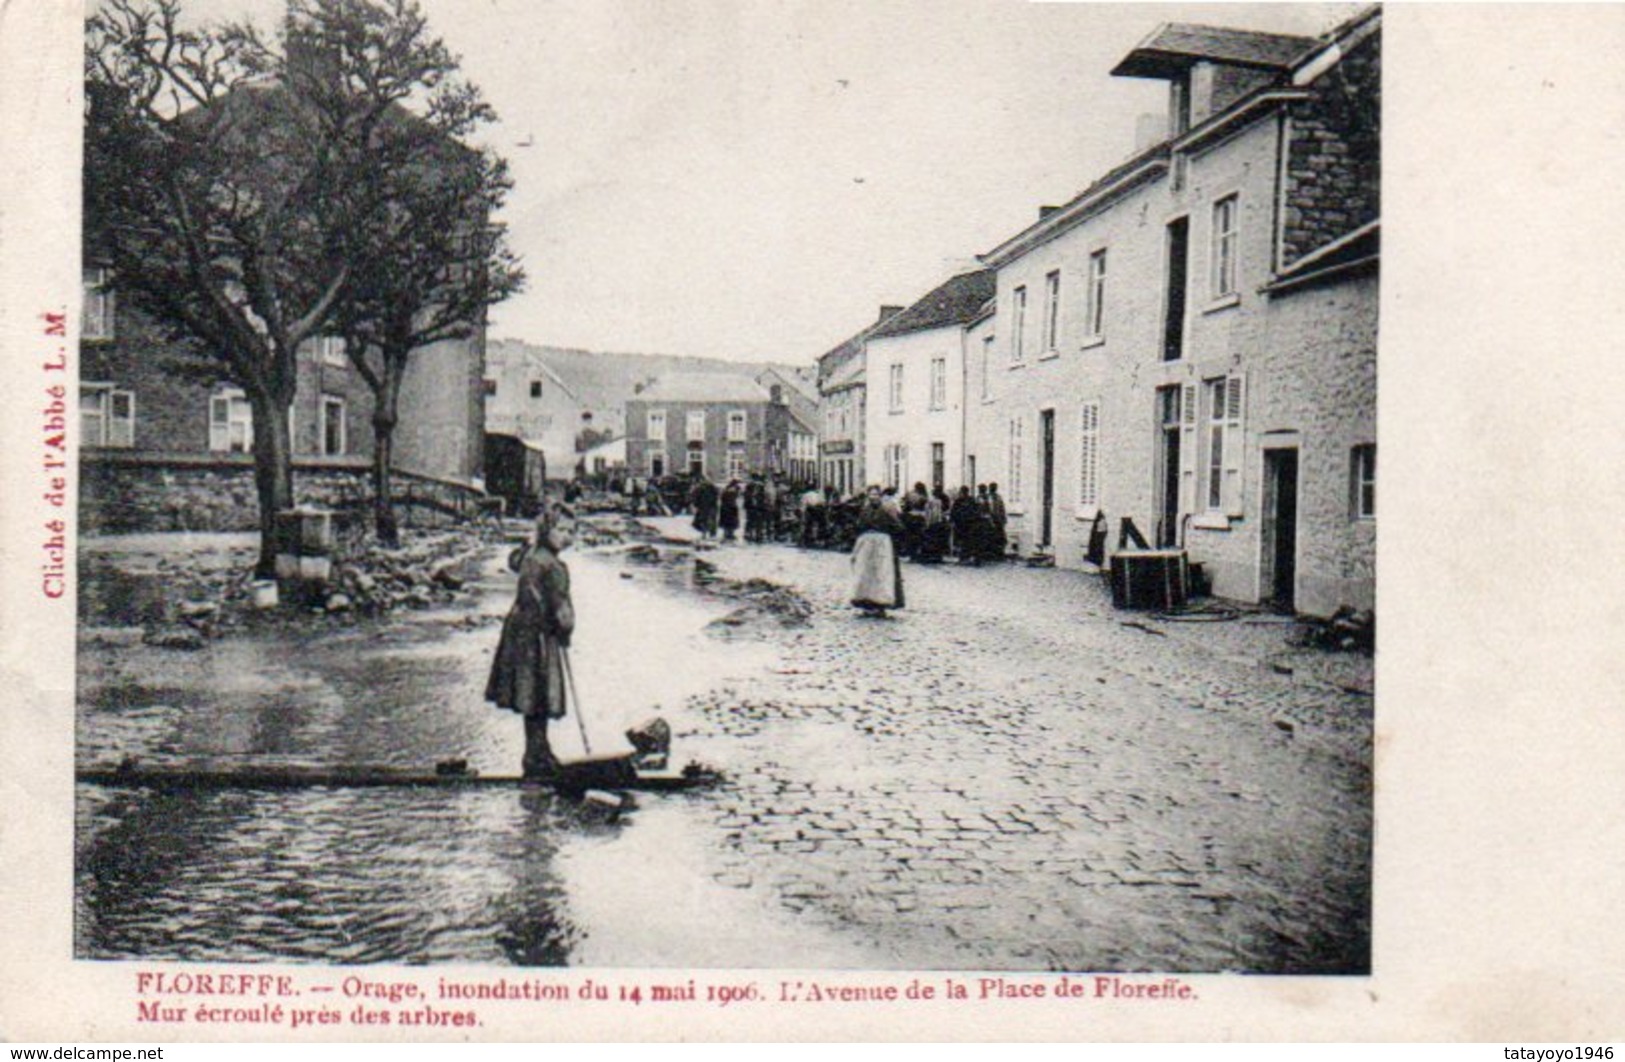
(770,504)
(729,485)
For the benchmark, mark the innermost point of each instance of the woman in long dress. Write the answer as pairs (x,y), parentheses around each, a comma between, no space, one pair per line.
(877,573)
(527,673)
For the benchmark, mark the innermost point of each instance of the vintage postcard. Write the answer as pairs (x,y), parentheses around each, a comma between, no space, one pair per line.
(790,520)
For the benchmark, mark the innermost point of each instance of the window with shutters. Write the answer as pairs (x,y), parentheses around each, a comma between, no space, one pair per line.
(1222,445)
(1089,459)
(1018,326)
(736,464)
(896,462)
(696,425)
(231,422)
(656,427)
(895,389)
(736,425)
(1017,457)
(106,415)
(1224,247)
(1095,305)
(1363,482)
(1052,312)
(939,383)
(98,304)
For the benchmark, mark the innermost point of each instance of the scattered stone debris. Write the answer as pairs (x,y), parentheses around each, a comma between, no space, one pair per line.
(1347,629)
(212,594)
(185,638)
(652,741)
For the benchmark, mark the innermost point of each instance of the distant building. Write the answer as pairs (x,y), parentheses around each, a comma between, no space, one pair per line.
(914,428)
(527,399)
(842,383)
(1190,342)
(718,426)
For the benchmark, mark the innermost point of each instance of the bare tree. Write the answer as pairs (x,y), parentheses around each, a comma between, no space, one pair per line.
(239,188)
(431,260)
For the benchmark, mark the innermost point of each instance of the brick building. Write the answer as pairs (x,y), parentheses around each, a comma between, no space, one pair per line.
(716,425)
(1190,342)
(165,440)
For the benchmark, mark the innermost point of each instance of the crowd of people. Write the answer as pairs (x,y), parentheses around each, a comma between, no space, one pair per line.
(934,525)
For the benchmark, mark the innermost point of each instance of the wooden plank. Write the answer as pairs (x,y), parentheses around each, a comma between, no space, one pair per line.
(368,776)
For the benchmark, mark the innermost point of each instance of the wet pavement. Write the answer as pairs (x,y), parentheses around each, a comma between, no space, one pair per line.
(1004,776)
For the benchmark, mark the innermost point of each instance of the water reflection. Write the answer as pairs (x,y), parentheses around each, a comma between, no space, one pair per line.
(360,875)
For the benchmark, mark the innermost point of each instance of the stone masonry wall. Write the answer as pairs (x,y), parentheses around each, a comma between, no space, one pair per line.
(1334,159)
(120,493)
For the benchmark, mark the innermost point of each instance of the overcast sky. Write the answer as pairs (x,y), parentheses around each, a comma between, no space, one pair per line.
(754,179)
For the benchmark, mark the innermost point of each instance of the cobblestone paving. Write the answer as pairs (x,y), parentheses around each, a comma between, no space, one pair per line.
(1006,776)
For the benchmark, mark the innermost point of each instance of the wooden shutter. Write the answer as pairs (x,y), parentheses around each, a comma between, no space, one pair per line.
(1235,445)
(1188,438)
(1089,458)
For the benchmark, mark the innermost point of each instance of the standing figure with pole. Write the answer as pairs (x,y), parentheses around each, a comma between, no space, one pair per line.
(528,674)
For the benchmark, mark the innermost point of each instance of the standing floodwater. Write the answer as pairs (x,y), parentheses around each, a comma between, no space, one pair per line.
(402,875)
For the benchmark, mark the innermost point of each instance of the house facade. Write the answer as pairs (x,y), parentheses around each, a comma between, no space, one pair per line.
(914,429)
(842,382)
(166,441)
(527,399)
(1190,343)
(718,426)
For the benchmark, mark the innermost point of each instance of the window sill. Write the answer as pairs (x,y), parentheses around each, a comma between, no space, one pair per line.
(1085,517)
(1092,342)
(894,412)
(1210,522)
(1224,302)
(1014,365)
(1049,355)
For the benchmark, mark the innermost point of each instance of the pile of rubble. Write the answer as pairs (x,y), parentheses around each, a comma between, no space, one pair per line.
(1347,629)
(764,600)
(179,605)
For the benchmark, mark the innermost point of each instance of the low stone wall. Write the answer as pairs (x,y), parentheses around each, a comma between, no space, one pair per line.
(125,492)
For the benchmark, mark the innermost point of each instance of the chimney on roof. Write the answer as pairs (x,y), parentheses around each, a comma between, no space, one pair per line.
(887,311)
(1149,130)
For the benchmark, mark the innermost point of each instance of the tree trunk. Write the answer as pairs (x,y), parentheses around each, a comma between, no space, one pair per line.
(386,401)
(383,507)
(273,474)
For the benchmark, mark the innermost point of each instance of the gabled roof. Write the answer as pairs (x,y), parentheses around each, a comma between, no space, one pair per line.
(1126,175)
(957,301)
(793,379)
(844,353)
(849,374)
(1174,47)
(703,387)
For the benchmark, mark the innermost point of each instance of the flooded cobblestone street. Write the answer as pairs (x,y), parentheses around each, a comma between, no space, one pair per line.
(1004,776)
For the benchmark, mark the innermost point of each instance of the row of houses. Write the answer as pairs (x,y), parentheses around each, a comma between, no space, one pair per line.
(1188,344)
